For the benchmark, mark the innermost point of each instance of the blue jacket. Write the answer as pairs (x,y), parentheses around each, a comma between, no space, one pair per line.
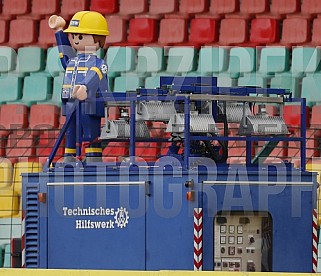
(82,69)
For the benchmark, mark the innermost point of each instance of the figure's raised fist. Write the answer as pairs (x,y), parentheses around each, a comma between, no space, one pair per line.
(56,22)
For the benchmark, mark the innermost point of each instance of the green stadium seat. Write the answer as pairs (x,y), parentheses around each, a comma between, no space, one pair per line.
(311,89)
(53,64)
(242,60)
(8,58)
(287,82)
(1,257)
(152,82)
(36,88)
(274,60)
(212,60)
(120,59)
(7,256)
(30,59)
(10,88)
(9,228)
(305,60)
(127,83)
(56,91)
(150,60)
(181,60)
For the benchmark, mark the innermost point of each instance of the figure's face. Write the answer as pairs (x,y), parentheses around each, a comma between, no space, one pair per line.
(83,42)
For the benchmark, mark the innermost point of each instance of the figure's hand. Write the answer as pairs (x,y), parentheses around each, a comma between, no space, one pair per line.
(56,22)
(80,92)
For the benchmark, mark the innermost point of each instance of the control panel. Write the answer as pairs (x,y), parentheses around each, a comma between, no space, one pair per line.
(241,240)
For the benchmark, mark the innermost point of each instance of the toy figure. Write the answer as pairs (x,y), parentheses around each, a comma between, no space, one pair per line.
(85,78)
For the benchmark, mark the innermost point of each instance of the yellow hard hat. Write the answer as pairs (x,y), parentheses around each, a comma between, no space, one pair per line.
(88,22)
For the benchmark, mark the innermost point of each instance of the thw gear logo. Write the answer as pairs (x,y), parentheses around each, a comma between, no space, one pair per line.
(121,217)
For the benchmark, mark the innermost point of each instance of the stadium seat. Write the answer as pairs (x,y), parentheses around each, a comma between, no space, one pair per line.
(311,89)
(4,33)
(117,30)
(191,7)
(8,59)
(288,81)
(242,60)
(22,32)
(10,88)
(56,91)
(148,151)
(10,228)
(132,7)
(212,60)
(13,116)
(47,140)
(40,120)
(203,30)
(274,60)
(104,6)
(160,7)
(292,116)
(150,60)
(223,7)
(36,88)
(121,59)
(295,31)
(264,31)
(316,32)
(310,7)
(46,36)
(30,59)
(24,167)
(233,31)
(284,7)
(315,117)
(305,60)
(70,7)
(9,203)
(42,8)
(127,83)
(53,64)
(6,172)
(254,7)
(12,8)
(115,151)
(181,60)
(142,30)
(152,82)
(20,144)
(172,31)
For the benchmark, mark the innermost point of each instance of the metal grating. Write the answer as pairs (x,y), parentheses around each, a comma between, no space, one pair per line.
(32,227)
(155,111)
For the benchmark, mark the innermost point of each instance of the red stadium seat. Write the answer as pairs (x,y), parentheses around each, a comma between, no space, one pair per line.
(39,119)
(203,30)
(233,31)
(284,7)
(22,32)
(45,7)
(20,144)
(70,7)
(4,34)
(310,7)
(13,8)
(295,31)
(117,30)
(104,6)
(316,31)
(163,6)
(193,6)
(315,117)
(292,116)
(223,7)
(132,7)
(13,116)
(142,30)
(47,140)
(172,31)
(115,151)
(264,31)
(46,36)
(148,151)
(254,7)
